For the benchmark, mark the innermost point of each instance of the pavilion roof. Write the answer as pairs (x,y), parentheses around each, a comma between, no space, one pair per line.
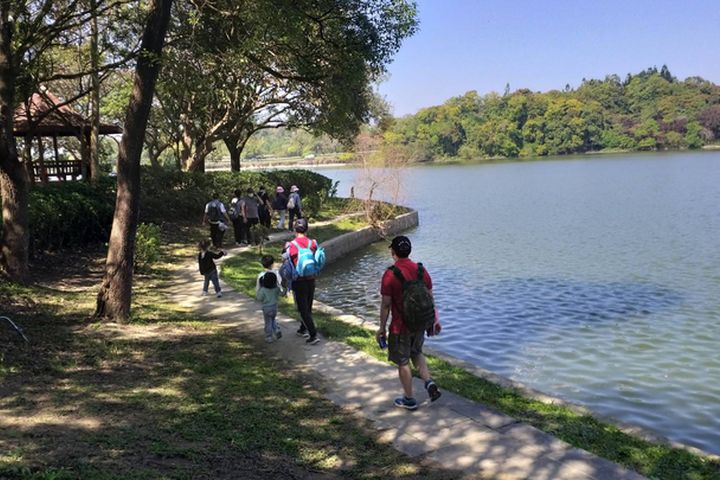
(61,121)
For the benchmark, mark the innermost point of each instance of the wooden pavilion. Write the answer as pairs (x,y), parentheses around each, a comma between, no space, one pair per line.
(45,115)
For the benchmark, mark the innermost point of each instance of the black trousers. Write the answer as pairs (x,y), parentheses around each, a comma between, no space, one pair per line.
(216,235)
(294,215)
(304,291)
(264,216)
(238,229)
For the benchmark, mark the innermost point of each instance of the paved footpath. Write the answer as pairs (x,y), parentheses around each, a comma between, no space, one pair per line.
(454,432)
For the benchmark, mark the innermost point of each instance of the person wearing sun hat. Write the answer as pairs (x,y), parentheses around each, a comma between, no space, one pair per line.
(294,207)
(279,204)
(403,345)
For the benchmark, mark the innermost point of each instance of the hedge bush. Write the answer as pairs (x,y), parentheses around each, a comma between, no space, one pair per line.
(73,214)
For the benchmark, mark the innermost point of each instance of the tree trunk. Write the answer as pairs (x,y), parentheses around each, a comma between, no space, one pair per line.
(14,188)
(113,300)
(95,173)
(185,149)
(235,146)
(231,145)
(154,156)
(203,148)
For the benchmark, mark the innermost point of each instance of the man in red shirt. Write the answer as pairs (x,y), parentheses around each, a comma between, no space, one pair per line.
(404,345)
(303,287)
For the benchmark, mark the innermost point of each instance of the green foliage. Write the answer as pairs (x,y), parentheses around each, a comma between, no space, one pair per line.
(648,111)
(258,235)
(285,142)
(147,246)
(73,214)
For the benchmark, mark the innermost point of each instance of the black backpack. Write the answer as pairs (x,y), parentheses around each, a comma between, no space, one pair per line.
(214,211)
(418,307)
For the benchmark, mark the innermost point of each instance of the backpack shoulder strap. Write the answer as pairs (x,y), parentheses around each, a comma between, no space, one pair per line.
(421,271)
(398,273)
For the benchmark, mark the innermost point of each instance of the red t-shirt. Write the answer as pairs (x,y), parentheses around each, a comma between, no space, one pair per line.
(392,288)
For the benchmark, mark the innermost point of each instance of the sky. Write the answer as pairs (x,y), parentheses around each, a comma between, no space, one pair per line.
(542,45)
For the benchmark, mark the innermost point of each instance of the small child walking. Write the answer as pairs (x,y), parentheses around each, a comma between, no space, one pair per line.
(206,262)
(268,294)
(267,261)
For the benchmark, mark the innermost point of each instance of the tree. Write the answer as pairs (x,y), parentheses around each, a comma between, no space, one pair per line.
(113,300)
(312,70)
(710,119)
(28,30)
(32,33)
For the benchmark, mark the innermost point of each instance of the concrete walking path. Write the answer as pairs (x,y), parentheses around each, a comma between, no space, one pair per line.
(454,432)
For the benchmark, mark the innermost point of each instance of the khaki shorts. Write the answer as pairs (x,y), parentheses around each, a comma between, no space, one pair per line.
(403,347)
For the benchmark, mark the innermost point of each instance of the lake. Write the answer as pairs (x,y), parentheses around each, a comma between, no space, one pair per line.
(594,279)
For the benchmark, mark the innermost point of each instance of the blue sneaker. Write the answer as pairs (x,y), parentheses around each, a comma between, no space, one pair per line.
(432,390)
(406,403)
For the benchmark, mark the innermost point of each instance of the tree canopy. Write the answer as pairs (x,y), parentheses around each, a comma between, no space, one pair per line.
(647,111)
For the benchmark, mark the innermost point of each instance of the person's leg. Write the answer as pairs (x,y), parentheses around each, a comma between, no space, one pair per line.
(206,283)
(215,235)
(399,354)
(215,281)
(304,290)
(245,231)
(237,230)
(267,316)
(405,374)
(418,360)
(221,234)
(281,219)
(291,218)
(275,327)
(421,366)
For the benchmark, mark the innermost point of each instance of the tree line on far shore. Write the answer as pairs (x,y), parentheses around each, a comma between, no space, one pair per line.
(651,110)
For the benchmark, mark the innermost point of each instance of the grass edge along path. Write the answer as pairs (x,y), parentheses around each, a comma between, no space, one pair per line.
(582,430)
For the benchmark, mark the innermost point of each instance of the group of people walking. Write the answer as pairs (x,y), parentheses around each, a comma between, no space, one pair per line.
(248,209)
(406,287)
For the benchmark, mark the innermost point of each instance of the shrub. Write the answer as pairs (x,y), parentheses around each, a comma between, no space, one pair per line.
(70,214)
(147,246)
(73,214)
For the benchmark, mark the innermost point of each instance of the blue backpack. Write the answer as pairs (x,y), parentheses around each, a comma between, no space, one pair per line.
(309,263)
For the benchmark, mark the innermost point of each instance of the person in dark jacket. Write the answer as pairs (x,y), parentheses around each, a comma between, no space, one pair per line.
(206,263)
(280,205)
(264,210)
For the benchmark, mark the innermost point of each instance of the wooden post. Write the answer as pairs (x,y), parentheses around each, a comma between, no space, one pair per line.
(57,158)
(41,161)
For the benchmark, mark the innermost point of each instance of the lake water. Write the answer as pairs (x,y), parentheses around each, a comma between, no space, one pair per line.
(596,279)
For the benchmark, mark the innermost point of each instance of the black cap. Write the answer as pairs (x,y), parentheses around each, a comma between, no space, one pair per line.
(401,246)
(301,225)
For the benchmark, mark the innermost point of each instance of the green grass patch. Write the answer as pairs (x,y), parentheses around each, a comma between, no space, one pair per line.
(583,431)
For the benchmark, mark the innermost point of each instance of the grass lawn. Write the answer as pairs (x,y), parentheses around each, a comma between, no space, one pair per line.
(583,431)
(167,395)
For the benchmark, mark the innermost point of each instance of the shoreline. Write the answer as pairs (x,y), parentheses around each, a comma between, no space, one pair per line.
(359,239)
(225,166)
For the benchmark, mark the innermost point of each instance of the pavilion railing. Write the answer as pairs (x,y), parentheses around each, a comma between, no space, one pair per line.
(58,171)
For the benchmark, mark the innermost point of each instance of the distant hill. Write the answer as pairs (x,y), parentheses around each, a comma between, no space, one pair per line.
(651,110)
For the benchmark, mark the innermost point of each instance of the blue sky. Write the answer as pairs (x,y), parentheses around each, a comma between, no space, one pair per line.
(544,44)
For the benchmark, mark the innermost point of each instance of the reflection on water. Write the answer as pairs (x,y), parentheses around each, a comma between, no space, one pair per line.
(594,280)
